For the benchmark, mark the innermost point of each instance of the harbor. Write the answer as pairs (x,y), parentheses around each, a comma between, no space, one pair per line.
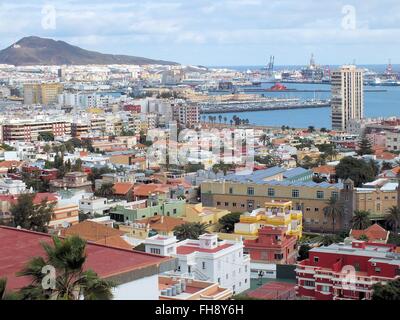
(286,104)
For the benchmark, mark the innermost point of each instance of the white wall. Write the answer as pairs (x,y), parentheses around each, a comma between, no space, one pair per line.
(141,289)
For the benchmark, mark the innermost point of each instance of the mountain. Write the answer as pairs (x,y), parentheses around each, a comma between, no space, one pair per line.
(39,51)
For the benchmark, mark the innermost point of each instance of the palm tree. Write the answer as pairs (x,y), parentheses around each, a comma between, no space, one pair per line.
(3,294)
(393,219)
(263,139)
(231,121)
(327,239)
(225,119)
(360,220)
(190,230)
(334,210)
(71,282)
(220,119)
(210,119)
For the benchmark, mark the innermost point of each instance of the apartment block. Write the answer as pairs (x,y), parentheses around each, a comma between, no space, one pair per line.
(347,97)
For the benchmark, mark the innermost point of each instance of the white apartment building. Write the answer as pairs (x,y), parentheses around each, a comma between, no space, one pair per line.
(347,97)
(9,186)
(207,259)
(91,204)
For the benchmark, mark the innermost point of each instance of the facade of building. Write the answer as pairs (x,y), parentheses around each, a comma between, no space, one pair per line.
(207,259)
(247,193)
(29,130)
(346,271)
(172,208)
(186,114)
(207,215)
(347,97)
(276,214)
(45,93)
(273,245)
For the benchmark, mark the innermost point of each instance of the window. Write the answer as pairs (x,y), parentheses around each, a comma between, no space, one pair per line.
(226,204)
(295,193)
(230,190)
(320,194)
(218,203)
(242,205)
(325,289)
(316,259)
(174,211)
(250,191)
(335,195)
(233,204)
(316,209)
(378,270)
(155,251)
(271,192)
(308,209)
(308,283)
(278,256)
(203,265)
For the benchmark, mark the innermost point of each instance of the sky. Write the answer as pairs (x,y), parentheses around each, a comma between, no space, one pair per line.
(215,32)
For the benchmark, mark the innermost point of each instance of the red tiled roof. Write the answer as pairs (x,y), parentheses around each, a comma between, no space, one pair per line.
(10,164)
(19,246)
(374,232)
(122,188)
(39,197)
(189,249)
(91,231)
(325,169)
(144,190)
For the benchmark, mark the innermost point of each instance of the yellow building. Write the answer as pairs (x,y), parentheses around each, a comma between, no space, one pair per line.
(207,215)
(50,92)
(45,93)
(276,213)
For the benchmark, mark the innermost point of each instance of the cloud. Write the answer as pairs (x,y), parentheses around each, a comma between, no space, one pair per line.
(209,29)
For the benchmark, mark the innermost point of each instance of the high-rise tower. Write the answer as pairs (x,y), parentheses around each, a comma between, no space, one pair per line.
(347,97)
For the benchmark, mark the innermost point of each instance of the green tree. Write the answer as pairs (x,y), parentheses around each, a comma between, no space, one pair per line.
(363,237)
(360,220)
(303,252)
(311,129)
(190,230)
(364,146)
(357,170)
(334,211)
(72,282)
(263,139)
(96,173)
(47,148)
(106,190)
(227,222)
(386,292)
(307,162)
(392,220)
(328,239)
(77,167)
(31,216)
(46,136)
(4,295)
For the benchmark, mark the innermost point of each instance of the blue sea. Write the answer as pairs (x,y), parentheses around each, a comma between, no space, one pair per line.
(376,104)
